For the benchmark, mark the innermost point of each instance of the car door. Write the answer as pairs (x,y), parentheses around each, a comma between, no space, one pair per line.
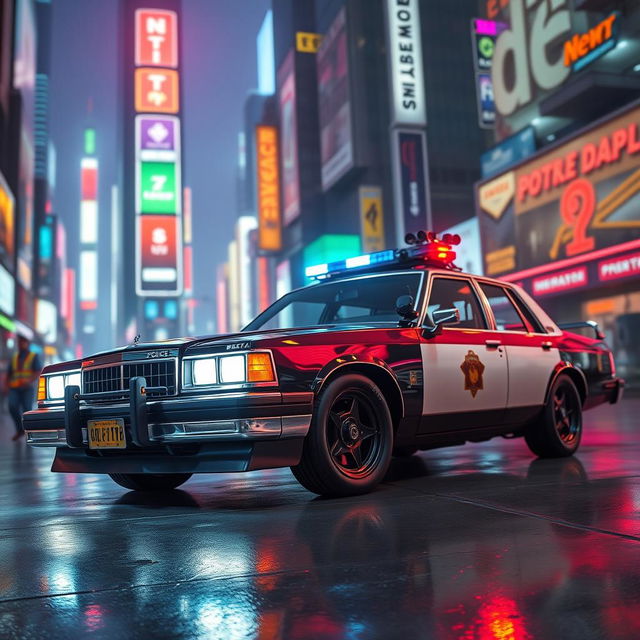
(531,353)
(464,366)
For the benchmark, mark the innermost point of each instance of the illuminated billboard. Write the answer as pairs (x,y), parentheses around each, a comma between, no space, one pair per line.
(7,223)
(158,188)
(334,106)
(157,137)
(408,105)
(289,139)
(88,272)
(159,255)
(156,38)
(157,90)
(158,180)
(575,203)
(269,224)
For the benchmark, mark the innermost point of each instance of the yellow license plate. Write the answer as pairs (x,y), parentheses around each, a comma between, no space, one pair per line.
(106,434)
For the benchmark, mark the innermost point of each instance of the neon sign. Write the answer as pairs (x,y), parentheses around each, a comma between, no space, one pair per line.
(156,38)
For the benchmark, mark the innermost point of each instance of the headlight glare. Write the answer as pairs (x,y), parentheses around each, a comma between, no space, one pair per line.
(55,387)
(232,369)
(204,371)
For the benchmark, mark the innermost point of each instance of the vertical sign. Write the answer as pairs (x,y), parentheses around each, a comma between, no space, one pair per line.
(88,271)
(334,106)
(269,223)
(412,193)
(288,139)
(408,105)
(158,181)
(371,219)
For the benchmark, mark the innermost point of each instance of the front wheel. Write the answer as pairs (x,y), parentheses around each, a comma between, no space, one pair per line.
(348,447)
(558,431)
(150,481)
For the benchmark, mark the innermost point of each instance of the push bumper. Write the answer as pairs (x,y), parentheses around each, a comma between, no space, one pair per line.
(218,432)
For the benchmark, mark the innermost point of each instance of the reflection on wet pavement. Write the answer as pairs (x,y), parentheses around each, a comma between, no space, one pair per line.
(476,542)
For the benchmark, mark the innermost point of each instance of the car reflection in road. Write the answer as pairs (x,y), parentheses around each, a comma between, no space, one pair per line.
(424,556)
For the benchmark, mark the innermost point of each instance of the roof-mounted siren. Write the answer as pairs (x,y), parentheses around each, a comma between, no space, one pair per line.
(436,251)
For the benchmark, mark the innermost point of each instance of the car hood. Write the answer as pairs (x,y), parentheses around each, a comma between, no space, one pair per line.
(240,341)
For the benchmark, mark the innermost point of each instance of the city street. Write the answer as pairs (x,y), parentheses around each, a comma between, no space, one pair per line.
(474,542)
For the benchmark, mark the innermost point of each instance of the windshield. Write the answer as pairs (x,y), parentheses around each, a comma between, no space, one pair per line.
(360,300)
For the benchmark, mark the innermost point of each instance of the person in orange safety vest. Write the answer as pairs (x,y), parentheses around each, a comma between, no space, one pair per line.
(24,369)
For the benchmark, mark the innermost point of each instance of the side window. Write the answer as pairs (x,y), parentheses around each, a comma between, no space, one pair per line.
(504,311)
(528,314)
(450,293)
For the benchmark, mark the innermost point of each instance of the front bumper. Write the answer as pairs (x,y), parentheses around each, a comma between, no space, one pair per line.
(216,432)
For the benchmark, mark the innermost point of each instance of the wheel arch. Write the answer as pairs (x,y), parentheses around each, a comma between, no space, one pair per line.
(376,370)
(577,377)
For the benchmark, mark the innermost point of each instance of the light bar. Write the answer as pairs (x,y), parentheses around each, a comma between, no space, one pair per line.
(357,262)
(426,249)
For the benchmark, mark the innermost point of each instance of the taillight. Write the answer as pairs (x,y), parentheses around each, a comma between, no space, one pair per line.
(42,389)
(260,368)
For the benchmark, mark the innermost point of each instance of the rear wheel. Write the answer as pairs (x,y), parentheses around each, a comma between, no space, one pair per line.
(558,431)
(150,481)
(348,448)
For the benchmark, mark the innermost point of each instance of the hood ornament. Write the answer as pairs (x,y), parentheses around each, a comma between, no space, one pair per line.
(136,340)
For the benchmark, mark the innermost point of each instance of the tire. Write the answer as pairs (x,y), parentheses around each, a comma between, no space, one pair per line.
(150,481)
(558,431)
(348,448)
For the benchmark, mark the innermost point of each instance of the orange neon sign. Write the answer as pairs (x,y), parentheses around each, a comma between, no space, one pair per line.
(157,90)
(582,45)
(269,219)
(156,38)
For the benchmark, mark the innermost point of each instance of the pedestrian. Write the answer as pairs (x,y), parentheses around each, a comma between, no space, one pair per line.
(24,369)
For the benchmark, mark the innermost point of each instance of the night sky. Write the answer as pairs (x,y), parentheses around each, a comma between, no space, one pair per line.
(219,69)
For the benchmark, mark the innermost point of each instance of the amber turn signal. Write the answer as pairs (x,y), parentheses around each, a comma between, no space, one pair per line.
(42,389)
(260,368)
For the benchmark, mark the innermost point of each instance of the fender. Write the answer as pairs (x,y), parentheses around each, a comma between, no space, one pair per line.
(352,360)
(563,367)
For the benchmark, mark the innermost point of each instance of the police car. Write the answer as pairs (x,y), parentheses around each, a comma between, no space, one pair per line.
(386,354)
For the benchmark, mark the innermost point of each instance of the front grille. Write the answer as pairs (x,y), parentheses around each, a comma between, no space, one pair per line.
(160,373)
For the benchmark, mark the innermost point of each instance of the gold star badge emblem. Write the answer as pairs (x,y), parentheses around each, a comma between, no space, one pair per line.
(473,370)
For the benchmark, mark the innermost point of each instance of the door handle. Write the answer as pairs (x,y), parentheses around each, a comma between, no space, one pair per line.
(493,344)
(547,346)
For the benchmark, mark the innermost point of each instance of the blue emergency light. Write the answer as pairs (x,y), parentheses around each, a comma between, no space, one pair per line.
(426,249)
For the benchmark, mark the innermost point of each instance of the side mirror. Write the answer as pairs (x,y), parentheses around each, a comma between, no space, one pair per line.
(406,310)
(439,318)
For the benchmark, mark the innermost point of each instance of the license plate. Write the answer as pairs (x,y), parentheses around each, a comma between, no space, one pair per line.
(106,434)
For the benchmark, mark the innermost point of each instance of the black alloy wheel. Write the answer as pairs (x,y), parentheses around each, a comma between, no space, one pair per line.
(353,434)
(348,448)
(558,431)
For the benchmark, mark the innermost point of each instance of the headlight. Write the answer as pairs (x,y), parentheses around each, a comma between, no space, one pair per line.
(239,368)
(232,369)
(52,386)
(204,371)
(55,387)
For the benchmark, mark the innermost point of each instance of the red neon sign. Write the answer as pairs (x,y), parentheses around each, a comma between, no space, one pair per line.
(560,281)
(619,267)
(156,38)
(89,179)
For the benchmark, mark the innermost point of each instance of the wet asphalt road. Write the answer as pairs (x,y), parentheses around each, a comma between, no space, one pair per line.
(475,542)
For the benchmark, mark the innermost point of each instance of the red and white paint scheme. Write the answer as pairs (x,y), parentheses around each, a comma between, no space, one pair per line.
(388,353)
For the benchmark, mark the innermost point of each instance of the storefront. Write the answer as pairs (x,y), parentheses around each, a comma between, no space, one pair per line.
(565,224)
